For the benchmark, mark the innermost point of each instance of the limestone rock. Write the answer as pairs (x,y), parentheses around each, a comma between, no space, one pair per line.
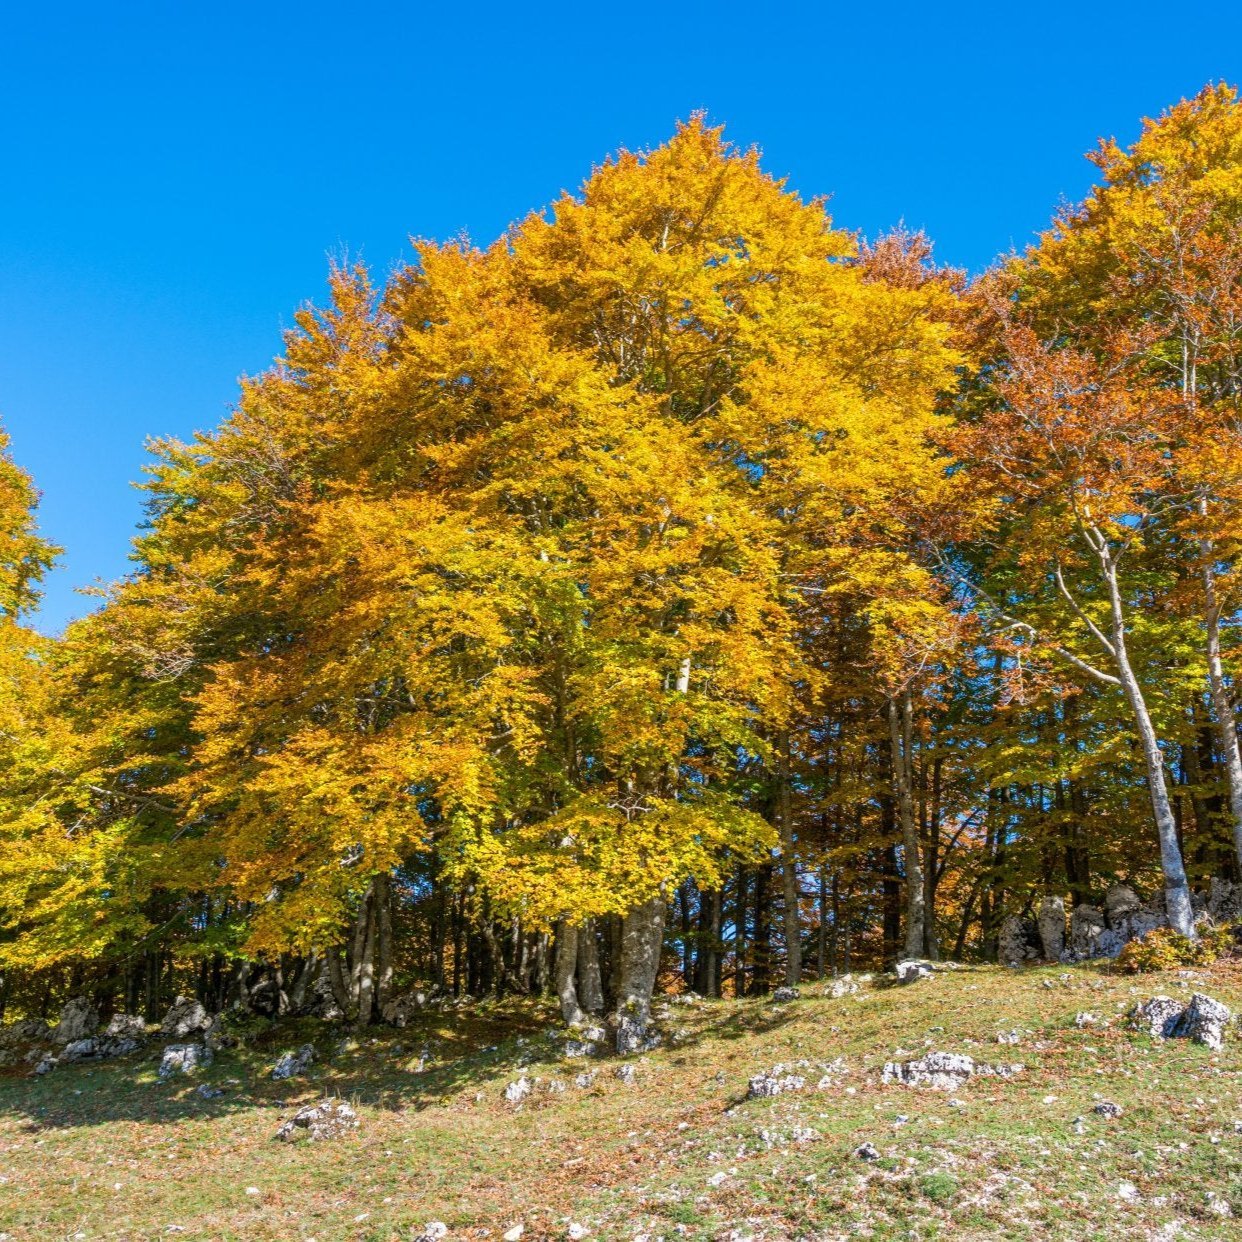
(783,994)
(943,1070)
(1224,901)
(517,1091)
(1119,902)
(912,969)
(866,1152)
(846,985)
(1052,927)
(329,1119)
(1204,1020)
(625,1073)
(183,1059)
(27,1031)
(1106,1108)
(775,1081)
(1017,941)
(125,1026)
(185,1017)
(78,1050)
(292,1064)
(1158,1016)
(1087,924)
(79,1019)
(398,1011)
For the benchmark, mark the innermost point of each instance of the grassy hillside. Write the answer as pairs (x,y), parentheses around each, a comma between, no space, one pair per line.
(110,1151)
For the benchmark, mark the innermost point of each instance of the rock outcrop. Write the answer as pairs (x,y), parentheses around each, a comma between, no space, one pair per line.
(293,1064)
(185,1017)
(944,1071)
(1017,941)
(329,1119)
(183,1059)
(79,1020)
(1052,927)
(1203,1020)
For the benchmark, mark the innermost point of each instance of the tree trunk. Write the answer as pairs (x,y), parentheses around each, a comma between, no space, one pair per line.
(563,971)
(590,981)
(900,744)
(1176,888)
(789,864)
(1225,719)
(642,937)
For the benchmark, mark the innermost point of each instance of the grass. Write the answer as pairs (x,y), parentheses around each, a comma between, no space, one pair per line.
(109,1151)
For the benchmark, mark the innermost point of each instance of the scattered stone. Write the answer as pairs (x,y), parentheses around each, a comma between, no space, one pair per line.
(1218,1206)
(514,1234)
(910,971)
(1106,1108)
(329,1119)
(1127,1192)
(398,1011)
(207,1092)
(866,1152)
(1009,1037)
(293,1064)
(942,1070)
(79,1020)
(183,1059)
(517,1091)
(1157,1016)
(775,1082)
(784,994)
(1080,1125)
(625,1073)
(1085,1019)
(1204,1021)
(846,985)
(46,1065)
(79,1050)
(185,1016)
(1051,924)
(576,1232)
(433,1231)
(585,1081)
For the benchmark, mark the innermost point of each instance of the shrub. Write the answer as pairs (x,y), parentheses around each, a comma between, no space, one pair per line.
(1165,949)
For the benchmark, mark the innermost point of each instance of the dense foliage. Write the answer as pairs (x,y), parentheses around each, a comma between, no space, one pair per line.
(681,583)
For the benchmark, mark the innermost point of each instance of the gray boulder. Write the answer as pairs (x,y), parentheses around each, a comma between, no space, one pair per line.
(125,1026)
(1204,1020)
(183,1059)
(329,1119)
(911,970)
(78,1050)
(1052,927)
(1087,925)
(783,994)
(942,1070)
(1017,941)
(1119,902)
(185,1017)
(292,1064)
(1158,1016)
(1224,901)
(27,1031)
(79,1019)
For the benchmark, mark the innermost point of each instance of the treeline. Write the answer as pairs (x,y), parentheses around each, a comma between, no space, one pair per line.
(682,588)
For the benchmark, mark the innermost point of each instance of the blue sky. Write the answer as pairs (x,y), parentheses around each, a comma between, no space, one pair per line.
(177,176)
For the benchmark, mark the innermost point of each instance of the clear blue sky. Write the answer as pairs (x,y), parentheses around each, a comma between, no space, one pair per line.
(175,176)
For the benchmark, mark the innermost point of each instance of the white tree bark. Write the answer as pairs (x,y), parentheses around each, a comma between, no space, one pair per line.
(642,938)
